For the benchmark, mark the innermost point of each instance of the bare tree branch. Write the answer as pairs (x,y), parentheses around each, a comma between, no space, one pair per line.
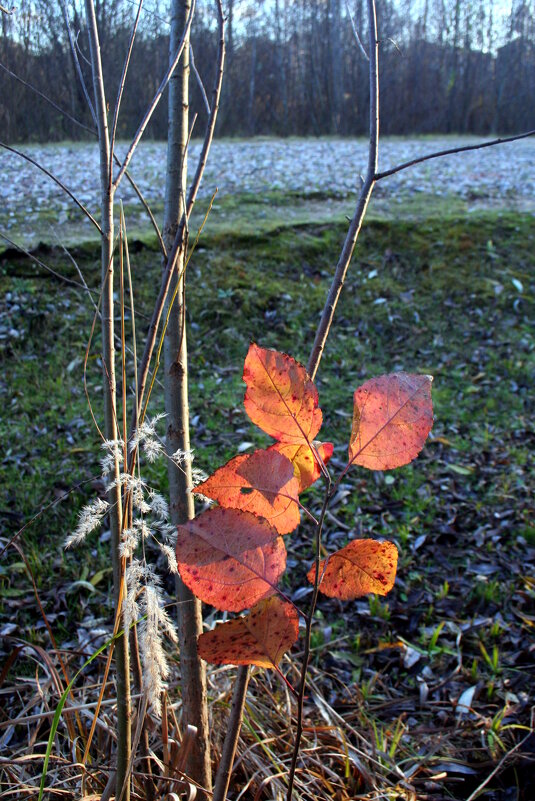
(56,180)
(450,151)
(155,100)
(199,79)
(122,656)
(362,204)
(356,33)
(77,62)
(192,195)
(48,100)
(48,269)
(230,743)
(146,206)
(122,83)
(93,132)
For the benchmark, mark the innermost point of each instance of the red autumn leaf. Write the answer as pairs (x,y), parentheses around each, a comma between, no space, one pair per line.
(305,464)
(230,559)
(392,417)
(259,638)
(361,567)
(263,483)
(280,397)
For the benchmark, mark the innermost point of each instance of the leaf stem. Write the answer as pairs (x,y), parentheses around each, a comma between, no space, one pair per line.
(308,631)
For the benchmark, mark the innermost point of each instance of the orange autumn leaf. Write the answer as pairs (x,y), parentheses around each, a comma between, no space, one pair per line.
(361,567)
(392,417)
(305,464)
(262,483)
(259,638)
(229,558)
(280,397)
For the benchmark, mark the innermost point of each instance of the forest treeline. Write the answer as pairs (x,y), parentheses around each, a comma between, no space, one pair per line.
(294,67)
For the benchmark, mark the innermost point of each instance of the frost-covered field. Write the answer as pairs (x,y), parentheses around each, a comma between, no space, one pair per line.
(502,176)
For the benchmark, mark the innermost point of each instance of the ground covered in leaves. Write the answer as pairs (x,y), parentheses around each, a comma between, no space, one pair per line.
(425,694)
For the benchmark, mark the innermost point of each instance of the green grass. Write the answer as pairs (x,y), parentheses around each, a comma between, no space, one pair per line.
(444,294)
(433,296)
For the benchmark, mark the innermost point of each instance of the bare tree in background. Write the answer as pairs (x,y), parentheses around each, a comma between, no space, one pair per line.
(293,68)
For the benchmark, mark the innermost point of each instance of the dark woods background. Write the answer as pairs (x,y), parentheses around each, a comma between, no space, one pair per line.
(293,66)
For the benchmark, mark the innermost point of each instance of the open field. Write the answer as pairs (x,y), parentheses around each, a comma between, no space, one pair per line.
(443,283)
(310,180)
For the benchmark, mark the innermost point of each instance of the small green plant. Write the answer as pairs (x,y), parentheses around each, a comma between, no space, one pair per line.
(434,637)
(378,609)
(492,660)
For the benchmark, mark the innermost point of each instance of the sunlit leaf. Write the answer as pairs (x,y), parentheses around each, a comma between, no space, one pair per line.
(259,638)
(361,567)
(305,464)
(280,397)
(263,483)
(392,417)
(229,558)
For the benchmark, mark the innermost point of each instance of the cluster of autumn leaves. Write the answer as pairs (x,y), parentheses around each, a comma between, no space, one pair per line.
(232,556)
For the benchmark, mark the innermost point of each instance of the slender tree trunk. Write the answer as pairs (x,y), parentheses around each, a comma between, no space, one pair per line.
(193,678)
(110,402)
(280,60)
(336,77)
(251,120)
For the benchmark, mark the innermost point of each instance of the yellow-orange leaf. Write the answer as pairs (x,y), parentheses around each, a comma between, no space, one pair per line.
(229,558)
(361,567)
(305,464)
(280,397)
(392,417)
(259,638)
(263,483)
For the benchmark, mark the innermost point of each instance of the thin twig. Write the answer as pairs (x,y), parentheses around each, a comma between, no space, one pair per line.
(77,63)
(498,767)
(48,100)
(214,108)
(362,204)
(317,351)
(93,132)
(156,99)
(308,632)
(124,708)
(230,743)
(177,244)
(450,151)
(122,83)
(56,180)
(76,266)
(146,206)
(199,79)
(45,266)
(356,33)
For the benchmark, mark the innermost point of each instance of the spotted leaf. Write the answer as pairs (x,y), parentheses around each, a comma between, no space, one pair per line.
(392,417)
(263,483)
(259,638)
(229,558)
(280,398)
(363,566)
